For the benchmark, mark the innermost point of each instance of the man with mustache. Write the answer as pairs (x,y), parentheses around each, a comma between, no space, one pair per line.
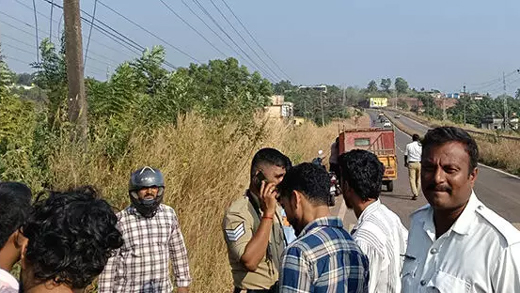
(456,243)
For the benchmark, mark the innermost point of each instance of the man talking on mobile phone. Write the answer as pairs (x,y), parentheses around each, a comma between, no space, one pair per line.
(253,226)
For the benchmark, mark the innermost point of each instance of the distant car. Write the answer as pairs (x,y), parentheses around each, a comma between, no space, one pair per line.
(397,116)
(387,124)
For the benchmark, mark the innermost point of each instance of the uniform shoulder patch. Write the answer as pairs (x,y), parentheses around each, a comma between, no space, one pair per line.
(506,229)
(235,234)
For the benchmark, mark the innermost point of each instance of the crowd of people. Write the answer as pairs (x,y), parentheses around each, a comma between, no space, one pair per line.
(280,233)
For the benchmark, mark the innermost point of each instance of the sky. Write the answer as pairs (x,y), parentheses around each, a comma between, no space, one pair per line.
(442,44)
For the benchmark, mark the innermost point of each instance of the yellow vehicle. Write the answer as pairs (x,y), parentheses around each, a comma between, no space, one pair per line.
(379,141)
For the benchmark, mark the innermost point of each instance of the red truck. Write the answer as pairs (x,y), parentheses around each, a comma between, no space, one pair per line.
(377,140)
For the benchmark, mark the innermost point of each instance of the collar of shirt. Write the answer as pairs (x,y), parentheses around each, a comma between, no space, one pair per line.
(370,209)
(462,225)
(7,278)
(320,222)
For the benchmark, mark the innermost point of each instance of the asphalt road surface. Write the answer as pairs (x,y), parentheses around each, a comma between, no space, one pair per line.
(496,189)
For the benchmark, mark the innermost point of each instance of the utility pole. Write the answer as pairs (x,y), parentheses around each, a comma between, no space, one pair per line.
(322,111)
(506,110)
(344,101)
(464,96)
(77,101)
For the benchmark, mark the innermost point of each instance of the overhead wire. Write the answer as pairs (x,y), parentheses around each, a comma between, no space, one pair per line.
(58,38)
(42,31)
(244,40)
(206,12)
(115,35)
(37,37)
(190,26)
(148,31)
(254,40)
(89,33)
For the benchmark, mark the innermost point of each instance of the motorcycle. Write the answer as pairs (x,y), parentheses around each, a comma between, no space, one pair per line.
(335,189)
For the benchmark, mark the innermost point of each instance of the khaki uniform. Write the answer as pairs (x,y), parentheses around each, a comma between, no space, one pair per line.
(240,223)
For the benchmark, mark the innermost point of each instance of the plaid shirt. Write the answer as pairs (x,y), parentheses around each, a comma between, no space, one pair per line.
(141,264)
(324,259)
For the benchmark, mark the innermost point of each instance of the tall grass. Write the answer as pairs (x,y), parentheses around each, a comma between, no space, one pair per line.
(206,166)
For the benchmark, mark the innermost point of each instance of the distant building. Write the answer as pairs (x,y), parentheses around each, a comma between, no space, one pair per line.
(495,123)
(453,95)
(279,108)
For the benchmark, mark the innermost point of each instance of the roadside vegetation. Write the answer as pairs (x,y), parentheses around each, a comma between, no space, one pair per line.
(200,125)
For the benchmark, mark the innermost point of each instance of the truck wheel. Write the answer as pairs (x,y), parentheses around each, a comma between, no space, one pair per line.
(390,186)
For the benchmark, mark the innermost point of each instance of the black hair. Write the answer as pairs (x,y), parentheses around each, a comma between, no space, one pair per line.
(416,137)
(441,135)
(309,179)
(71,235)
(363,172)
(269,156)
(15,207)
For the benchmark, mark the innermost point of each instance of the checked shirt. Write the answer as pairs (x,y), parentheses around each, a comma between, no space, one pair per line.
(141,264)
(324,259)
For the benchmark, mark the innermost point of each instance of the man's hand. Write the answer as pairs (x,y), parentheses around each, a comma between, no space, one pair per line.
(268,198)
(182,290)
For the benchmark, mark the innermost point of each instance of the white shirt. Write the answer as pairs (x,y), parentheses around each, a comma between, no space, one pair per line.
(413,151)
(8,283)
(479,253)
(382,237)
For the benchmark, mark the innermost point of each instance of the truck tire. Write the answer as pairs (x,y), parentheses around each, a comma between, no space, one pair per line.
(390,186)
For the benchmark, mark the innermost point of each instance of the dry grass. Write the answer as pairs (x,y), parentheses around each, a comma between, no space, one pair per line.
(206,167)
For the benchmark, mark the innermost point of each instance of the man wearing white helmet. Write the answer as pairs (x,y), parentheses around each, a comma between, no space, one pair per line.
(152,237)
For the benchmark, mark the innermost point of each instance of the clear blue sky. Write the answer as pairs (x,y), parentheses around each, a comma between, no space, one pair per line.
(439,44)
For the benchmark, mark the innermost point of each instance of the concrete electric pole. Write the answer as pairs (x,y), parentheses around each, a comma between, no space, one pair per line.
(506,110)
(74,57)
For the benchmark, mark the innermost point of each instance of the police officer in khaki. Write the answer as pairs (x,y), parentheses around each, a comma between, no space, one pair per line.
(253,228)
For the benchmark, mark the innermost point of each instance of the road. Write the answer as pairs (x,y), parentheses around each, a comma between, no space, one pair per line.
(496,189)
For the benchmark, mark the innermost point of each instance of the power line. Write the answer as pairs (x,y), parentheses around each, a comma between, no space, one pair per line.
(17,48)
(89,33)
(227,35)
(149,32)
(244,40)
(115,35)
(32,35)
(254,39)
(15,59)
(59,22)
(37,37)
(209,27)
(190,26)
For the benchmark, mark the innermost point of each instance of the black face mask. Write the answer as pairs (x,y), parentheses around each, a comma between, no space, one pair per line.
(147,207)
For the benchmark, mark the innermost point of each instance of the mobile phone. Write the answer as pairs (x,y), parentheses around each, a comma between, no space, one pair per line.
(259,177)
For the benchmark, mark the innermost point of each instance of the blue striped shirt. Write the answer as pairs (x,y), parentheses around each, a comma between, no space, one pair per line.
(324,259)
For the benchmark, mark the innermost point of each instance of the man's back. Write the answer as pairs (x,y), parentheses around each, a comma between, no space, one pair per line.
(382,237)
(413,151)
(324,258)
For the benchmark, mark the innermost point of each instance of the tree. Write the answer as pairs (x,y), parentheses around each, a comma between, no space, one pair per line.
(24,79)
(401,85)
(386,83)
(5,76)
(282,87)
(372,86)
(517,94)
